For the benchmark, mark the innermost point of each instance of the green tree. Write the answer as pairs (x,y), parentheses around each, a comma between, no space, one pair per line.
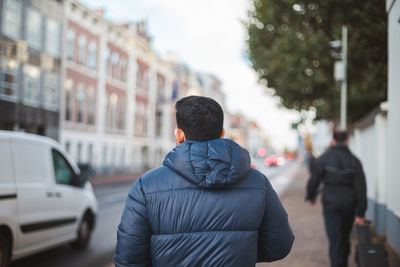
(288,46)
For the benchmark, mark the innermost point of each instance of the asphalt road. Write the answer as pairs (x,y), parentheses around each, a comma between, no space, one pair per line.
(111,199)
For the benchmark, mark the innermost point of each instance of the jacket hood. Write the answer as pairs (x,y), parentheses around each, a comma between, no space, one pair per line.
(214,163)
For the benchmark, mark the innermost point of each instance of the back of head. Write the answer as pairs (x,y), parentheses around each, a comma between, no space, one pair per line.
(340,136)
(200,118)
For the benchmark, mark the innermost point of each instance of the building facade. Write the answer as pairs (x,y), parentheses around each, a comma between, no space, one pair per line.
(93,84)
(31,45)
(393,125)
(115,103)
(375,140)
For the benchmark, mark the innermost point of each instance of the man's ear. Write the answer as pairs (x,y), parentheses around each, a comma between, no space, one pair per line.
(180,136)
(333,143)
(223,133)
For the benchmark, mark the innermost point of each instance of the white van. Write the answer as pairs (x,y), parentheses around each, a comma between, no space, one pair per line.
(44,201)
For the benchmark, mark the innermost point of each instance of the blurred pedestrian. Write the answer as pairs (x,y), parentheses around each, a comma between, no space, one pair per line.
(205,206)
(343,195)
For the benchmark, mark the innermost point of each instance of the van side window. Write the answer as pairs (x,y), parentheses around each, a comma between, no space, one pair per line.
(62,170)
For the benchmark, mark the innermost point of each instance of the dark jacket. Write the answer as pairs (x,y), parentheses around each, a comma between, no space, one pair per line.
(343,180)
(204,207)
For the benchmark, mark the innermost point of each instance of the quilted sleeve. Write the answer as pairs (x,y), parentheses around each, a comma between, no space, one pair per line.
(133,234)
(275,236)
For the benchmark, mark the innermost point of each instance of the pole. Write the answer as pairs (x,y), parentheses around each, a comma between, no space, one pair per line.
(343,91)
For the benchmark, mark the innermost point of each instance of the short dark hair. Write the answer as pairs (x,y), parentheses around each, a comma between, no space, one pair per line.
(340,136)
(201,118)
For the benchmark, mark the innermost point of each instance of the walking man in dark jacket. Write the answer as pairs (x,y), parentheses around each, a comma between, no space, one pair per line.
(343,196)
(205,206)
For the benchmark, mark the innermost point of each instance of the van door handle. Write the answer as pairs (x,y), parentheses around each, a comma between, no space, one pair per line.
(49,194)
(58,194)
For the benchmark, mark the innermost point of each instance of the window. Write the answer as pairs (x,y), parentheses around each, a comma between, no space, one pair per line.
(82,50)
(140,119)
(62,170)
(122,111)
(142,81)
(8,77)
(53,37)
(70,44)
(115,65)
(160,86)
(108,61)
(69,102)
(91,105)
(31,84)
(33,28)
(116,106)
(124,69)
(80,98)
(158,122)
(112,110)
(51,89)
(92,55)
(12,18)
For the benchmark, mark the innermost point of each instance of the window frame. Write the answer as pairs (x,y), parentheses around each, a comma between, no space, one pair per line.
(69,100)
(71,36)
(17,21)
(122,113)
(91,105)
(4,84)
(113,110)
(80,88)
(92,55)
(108,61)
(124,69)
(30,25)
(82,49)
(53,37)
(115,59)
(35,82)
(46,87)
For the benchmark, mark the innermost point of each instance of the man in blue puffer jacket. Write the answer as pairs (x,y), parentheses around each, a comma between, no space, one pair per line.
(205,206)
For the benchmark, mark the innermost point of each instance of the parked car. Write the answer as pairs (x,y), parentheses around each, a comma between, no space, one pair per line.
(44,200)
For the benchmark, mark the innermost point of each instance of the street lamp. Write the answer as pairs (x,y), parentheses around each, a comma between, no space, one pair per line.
(340,74)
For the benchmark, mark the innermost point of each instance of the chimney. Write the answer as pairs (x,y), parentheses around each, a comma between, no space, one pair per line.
(100,11)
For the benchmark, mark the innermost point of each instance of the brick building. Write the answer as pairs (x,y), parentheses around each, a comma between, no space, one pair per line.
(115,103)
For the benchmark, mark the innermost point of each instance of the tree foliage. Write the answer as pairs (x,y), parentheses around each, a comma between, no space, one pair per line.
(288,46)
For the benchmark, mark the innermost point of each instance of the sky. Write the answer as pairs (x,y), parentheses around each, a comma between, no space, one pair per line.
(208,36)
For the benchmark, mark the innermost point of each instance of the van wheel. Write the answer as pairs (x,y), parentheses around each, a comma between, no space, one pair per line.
(4,251)
(84,233)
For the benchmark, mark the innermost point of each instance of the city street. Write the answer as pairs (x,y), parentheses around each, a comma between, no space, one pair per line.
(100,91)
(111,198)
(310,248)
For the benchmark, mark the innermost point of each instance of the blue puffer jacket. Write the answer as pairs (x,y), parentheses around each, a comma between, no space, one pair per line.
(204,207)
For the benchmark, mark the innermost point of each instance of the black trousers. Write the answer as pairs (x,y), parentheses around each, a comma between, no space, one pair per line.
(338,224)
